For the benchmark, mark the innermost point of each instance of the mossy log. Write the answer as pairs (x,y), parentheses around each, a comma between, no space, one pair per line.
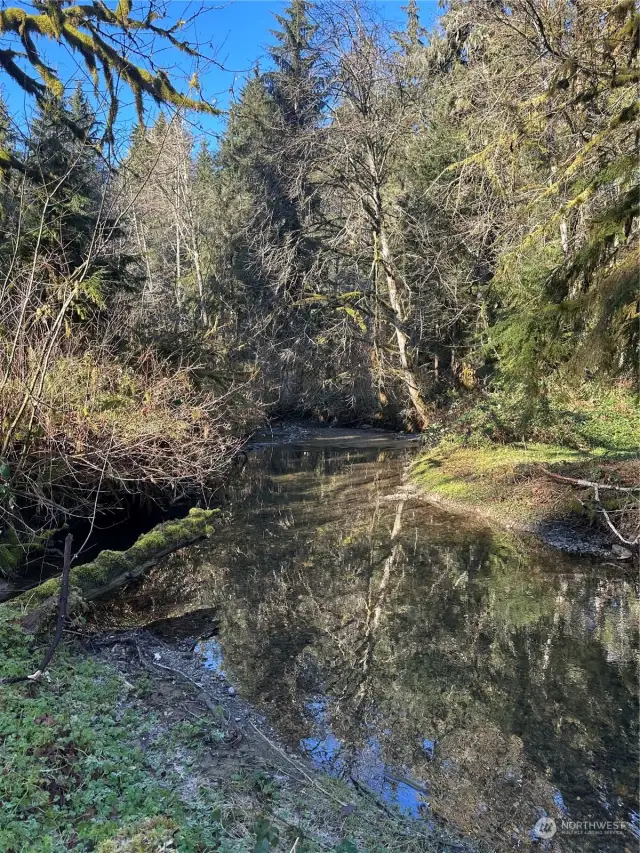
(113,569)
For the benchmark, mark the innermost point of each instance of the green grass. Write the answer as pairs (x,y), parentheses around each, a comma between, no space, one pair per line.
(591,419)
(490,477)
(505,482)
(70,775)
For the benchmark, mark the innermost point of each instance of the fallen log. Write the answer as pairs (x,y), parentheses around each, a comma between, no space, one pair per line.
(113,569)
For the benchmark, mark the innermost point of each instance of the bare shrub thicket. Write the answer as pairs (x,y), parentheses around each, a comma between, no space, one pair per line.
(90,414)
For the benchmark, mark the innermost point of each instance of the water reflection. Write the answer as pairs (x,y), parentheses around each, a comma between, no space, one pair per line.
(453,670)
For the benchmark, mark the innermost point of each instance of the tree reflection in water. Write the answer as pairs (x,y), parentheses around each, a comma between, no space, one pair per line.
(446,666)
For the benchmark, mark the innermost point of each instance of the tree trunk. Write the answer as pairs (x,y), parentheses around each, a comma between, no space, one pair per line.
(408,374)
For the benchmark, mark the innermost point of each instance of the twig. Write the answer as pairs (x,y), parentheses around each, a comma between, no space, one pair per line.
(630,542)
(597,488)
(169,669)
(588,484)
(298,768)
(202,695)
(62,615)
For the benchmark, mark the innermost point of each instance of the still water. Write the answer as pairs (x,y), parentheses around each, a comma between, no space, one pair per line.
(459,673)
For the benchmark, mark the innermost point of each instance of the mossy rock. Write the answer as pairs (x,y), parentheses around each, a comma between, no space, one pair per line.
(112,569)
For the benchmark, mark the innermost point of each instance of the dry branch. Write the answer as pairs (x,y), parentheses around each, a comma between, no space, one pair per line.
(633,544)
(588,484)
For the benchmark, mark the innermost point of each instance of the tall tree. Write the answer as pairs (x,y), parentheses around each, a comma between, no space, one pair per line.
(66,179)
(414,34)
(160,200)
(550,172)
(370,124)
(295,88)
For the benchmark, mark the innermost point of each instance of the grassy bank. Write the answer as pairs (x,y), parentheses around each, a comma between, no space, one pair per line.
(105,755)
(474,468)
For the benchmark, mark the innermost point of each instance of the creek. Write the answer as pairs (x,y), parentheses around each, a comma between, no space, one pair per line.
(458,672)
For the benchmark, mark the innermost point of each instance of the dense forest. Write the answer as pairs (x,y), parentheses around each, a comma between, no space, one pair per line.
(403,227)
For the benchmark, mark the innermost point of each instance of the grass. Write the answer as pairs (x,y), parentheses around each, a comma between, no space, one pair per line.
(595,436)
(70,777)
(90,763)
(499,480)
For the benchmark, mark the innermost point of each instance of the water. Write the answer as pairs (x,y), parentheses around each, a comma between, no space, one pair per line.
(459,673)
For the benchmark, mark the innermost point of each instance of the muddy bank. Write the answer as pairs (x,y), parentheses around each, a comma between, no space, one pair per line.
(181,681)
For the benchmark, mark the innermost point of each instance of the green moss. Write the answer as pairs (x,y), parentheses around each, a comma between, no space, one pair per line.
(11,552)
(502,482)
(10,559)
(110,565)
(106,565)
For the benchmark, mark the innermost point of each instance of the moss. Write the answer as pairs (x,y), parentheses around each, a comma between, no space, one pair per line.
(106,565)
(11,552)
(110,565)
(504,482)
(147,834)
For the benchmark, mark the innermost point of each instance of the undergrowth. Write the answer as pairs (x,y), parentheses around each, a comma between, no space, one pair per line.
(490,455)
(593,419)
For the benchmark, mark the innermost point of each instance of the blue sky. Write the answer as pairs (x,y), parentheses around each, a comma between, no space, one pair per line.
(237,33)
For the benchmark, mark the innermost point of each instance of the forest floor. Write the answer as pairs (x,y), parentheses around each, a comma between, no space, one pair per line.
(128,745)
(507,482)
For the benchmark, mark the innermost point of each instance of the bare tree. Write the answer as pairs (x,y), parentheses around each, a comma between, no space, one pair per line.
(370,121)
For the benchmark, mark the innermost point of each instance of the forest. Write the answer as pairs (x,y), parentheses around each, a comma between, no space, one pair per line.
(424,230)
(328,361)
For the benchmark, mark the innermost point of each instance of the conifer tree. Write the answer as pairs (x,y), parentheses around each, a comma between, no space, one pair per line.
(268,148)
(296,90)
(66,187)
(414,34)
(295,85)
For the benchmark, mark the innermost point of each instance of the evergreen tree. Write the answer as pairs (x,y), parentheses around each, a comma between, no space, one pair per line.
(269,149)
(414,33)
(295,88)
(295,85)
(67,185)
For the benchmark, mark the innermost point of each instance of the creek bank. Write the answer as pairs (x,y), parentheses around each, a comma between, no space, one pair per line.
(506,486)
(131,745)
